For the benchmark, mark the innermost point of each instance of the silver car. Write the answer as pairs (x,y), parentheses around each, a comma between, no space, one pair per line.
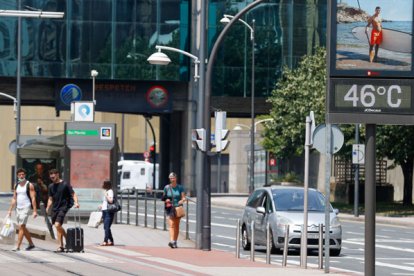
(282,205)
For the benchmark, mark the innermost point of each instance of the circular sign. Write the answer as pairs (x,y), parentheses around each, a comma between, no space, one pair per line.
(70,93)
(157,96)
(13,147)
(146,154)
(319,138)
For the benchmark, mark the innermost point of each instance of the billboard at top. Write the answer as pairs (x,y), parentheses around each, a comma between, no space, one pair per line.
(371,38)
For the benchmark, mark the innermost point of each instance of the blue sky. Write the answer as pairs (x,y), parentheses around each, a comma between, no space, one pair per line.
(396,10)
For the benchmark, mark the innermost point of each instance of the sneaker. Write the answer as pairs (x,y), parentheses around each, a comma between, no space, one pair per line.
(16,249)
(171,244)
(30,247)
(175,245)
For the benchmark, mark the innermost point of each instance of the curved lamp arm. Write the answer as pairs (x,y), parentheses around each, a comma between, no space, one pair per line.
(11,98)
(196,60)
(244,22)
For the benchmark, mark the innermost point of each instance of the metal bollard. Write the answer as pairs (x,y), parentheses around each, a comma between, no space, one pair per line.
(145,209)
(320,247)
(165,221)
(155,210)
(187,223)
(128,206)
(252,249)
(285,246)
(268,243)
(120,202)
(238,239)
(136,208)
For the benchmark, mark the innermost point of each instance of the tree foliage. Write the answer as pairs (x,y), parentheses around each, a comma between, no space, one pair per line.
(297,93)
(396,143)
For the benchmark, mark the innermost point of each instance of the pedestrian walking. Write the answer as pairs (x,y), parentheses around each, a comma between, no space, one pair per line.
(174,196)
(107,216)
(24,198)
(61,199)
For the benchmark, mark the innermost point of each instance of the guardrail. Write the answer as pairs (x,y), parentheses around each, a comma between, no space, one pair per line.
(152,203)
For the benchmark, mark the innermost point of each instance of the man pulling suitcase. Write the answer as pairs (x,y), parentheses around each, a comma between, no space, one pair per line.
(61,198)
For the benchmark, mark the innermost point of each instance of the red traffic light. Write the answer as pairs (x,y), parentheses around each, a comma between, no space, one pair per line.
(152,148)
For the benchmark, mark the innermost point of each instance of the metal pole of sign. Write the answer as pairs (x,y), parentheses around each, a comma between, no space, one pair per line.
(370,198)
(328,141)
(356,178)
(304,239)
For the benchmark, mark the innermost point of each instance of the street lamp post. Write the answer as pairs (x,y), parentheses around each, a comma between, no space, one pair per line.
(226,19)
(159,58)
(23,14)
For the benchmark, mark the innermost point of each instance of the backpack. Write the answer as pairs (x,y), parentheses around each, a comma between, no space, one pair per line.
(37,191)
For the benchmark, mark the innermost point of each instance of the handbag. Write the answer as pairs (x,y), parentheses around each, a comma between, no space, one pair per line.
(114,206)
(95,219)
(179,212)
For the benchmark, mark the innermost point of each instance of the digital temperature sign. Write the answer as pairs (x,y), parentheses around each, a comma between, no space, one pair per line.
(367,101)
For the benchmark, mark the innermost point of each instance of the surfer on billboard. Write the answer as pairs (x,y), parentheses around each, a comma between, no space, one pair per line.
(376,34)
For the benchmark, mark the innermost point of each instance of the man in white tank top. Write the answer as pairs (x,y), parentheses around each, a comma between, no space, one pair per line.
(23,204)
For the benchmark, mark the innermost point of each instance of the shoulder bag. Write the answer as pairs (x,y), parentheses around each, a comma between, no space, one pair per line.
(114,206)
(179,210)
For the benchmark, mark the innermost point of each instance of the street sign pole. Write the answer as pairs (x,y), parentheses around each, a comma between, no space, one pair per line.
(370,198)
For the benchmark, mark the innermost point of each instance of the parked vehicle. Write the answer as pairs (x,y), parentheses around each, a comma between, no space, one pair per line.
(282,205)
(137,174)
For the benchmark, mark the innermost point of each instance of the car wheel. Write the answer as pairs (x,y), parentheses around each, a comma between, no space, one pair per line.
(274,249)
(334,252)
(245,238)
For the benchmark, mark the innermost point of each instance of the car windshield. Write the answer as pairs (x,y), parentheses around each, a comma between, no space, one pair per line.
(292,200)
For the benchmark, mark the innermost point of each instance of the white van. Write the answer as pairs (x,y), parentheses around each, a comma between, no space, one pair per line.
(137,174)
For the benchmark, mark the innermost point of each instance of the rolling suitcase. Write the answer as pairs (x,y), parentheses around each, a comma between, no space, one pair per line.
(74,236)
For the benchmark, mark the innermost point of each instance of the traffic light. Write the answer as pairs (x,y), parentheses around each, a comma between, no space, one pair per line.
(152,153)
(199,139)
(221,131)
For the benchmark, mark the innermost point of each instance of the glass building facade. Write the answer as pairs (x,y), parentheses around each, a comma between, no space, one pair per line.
(116,37)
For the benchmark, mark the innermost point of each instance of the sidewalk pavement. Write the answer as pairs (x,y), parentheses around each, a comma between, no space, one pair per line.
(150,245)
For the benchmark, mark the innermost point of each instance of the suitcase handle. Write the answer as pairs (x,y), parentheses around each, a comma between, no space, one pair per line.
(79,224)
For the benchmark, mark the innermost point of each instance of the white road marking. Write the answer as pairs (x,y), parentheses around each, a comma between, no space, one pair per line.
(225,237)
(355,233)
(383,246)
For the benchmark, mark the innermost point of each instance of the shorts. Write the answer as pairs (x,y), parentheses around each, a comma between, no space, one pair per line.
(58,216)
(22,215)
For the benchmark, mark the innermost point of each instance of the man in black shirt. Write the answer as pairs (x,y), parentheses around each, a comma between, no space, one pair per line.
(61,199)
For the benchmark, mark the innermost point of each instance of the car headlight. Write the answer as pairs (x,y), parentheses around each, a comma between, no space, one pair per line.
(282,222)
(335,222)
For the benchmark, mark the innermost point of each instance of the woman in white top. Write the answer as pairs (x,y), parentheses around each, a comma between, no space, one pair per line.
(107,216)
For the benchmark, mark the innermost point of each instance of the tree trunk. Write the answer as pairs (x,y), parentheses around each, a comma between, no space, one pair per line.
(407,168)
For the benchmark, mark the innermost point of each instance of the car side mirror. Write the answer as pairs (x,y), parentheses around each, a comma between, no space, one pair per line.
(261,210)
(336,211)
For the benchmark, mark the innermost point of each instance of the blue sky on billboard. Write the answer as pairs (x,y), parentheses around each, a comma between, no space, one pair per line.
(396,10)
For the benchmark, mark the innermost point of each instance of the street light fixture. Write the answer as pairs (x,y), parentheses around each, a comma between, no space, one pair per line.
(226,19)
(159,58)
(94,74)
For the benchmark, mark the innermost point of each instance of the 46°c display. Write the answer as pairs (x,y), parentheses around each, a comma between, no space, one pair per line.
(371,97)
